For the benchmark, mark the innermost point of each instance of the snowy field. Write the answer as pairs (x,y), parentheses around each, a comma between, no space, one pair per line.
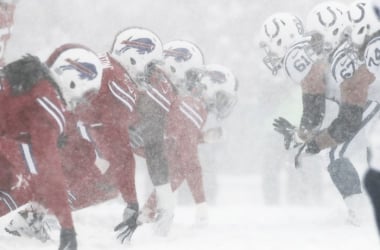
(240,218)
(242,223)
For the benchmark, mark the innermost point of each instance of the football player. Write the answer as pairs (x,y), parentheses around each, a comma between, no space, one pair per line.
(307,62)
(372,176)
(97,144)
(33,126)
(103,121)
(184,121)
(140,52)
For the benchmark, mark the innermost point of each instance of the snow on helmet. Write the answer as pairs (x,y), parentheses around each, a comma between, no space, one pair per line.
(135,48)
(277,34)
(77,70)
(363,20)
(330,20)
(220,89)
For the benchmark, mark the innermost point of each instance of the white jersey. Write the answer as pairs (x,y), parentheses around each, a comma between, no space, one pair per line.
(299,59)
(345,61)
(372,60)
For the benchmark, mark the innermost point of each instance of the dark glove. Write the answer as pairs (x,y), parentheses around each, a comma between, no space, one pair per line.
(129,224)
(68,239)
(288,130)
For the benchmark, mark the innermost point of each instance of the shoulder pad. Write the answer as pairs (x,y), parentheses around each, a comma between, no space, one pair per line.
(344,62)
(299,60)
(372,56)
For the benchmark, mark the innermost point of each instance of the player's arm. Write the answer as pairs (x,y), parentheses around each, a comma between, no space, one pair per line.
(46,124)
(313,100)
(354,93)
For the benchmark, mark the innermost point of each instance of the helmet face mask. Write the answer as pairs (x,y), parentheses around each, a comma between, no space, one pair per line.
(78,72)
(134,48)
(193,82)
(220,92)
(278,33)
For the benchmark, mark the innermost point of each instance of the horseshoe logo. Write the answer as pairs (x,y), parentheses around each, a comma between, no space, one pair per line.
(277,29)
(323,22)
(360,6)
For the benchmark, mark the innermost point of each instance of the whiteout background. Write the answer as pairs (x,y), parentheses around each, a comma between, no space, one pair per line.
(298,210)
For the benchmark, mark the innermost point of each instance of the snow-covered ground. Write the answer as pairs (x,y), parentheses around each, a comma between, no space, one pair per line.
(237,221)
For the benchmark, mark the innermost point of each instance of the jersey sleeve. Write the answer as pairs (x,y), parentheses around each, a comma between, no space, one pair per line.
(46,123)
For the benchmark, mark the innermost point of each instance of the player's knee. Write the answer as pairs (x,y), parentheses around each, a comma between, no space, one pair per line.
(345,177)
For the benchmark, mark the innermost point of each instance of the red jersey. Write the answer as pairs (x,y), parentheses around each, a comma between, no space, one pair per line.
(105,123)
(185,122)
(30,126)
(86,183)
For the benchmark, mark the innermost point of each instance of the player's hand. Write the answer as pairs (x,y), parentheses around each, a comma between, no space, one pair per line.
(129,224)
(288,130)
(68,239)
(213,135)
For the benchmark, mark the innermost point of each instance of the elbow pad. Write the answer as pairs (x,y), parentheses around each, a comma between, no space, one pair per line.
(313,111)
(348,122)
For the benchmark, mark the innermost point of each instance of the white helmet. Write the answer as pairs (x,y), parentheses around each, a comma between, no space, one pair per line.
(220,89)
(77,70)
(181,56)
(277,34)
(135,48)
(330,20)
(363,20)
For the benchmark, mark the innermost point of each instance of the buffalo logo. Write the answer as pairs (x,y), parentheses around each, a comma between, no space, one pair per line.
(217,76)
(142,45)
(179,54)
(86,70)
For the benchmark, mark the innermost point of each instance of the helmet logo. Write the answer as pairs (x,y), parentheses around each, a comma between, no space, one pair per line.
(142,45)
(217,76)
(86,70)
(323,22)
(179,54)
(360,6)
(277,29)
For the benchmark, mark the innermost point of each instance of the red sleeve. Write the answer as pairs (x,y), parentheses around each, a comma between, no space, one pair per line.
(186,121)
(46,122)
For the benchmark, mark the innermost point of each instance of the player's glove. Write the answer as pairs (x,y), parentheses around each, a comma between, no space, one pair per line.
(68,239)
(288,130)
(129,224)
